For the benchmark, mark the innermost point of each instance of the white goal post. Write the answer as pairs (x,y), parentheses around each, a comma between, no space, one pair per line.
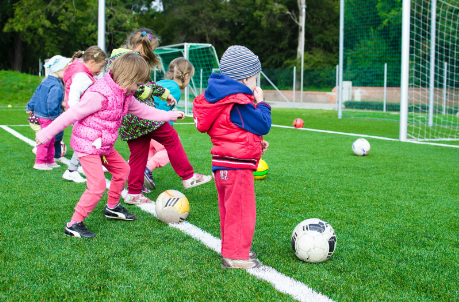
(429,102)
(204,59)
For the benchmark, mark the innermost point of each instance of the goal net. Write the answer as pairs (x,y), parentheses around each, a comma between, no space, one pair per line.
(204,59)
(433,85)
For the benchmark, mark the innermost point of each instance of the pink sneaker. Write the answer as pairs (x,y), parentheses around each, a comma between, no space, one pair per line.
(136,199)
(42,167)
(196,180)
(53,165)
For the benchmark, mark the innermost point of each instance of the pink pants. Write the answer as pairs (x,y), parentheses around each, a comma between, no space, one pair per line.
(139,147)
(157,156)
(95,180)
(45,152)
(236,202)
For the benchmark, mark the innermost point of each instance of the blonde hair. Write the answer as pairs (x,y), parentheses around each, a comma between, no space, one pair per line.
(149,41)
(179,68)
(92,53)
(129,69)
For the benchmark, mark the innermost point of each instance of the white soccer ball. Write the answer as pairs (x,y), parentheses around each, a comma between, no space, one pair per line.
(313,240)
(361,147)
(172,207)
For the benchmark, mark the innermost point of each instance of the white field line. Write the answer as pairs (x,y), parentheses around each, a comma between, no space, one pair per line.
(279,281)
(363,135)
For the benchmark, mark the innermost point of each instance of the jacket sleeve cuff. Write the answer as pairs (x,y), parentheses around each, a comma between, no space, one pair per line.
(263,103)
(146,93)
(165,94)
(42,137)
(174,115)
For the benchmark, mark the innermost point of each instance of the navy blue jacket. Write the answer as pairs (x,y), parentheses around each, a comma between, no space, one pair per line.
(47,99)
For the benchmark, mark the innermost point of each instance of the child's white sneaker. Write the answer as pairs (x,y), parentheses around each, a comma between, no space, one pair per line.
(42,167)
(196,180)
(53,165)
(136,199)
(238,263)
(73,176)
(80,169)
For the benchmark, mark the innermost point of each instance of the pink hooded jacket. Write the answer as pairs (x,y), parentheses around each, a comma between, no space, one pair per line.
(75,67)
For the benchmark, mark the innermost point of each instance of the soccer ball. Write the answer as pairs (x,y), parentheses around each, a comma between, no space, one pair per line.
(361,147)
(298,123)
(262,170)
(313,240)
(172,207)
(63,149)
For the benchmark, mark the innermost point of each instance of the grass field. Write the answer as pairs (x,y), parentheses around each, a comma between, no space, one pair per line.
(395,213)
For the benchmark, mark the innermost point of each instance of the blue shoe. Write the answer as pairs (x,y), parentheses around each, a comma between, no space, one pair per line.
(145,190)
(148,180)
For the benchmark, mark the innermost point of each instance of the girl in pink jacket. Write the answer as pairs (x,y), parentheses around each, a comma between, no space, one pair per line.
(96,120)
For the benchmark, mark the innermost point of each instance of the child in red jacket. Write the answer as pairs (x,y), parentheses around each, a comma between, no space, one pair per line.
(233,114)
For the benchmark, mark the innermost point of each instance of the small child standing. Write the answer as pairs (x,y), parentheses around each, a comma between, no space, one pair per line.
(177,77)
(233,114)
(46,104)
(78,77)
(96,120)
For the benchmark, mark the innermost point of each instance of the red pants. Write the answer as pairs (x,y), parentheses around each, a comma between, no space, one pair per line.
(95,180)
(139,147)
(236,202)
(45,152)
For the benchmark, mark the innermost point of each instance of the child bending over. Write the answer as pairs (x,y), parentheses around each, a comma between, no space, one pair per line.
(96,120)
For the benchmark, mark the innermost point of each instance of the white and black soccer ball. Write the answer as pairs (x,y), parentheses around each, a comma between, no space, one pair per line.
(361,147)
(313,240)
(172,207)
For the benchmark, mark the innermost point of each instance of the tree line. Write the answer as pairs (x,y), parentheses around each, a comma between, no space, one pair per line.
(34,29)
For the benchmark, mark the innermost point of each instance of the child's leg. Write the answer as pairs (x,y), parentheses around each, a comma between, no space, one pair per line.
(237,211)
(95,180)
(168,137)
(74,163)
(57,144)
(157,156)
(45,152)
(119,169)
(139,148)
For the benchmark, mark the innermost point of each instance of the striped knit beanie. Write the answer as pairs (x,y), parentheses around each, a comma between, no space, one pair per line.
(238,62)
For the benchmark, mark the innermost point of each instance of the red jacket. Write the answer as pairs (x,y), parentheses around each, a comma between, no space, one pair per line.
(233,146)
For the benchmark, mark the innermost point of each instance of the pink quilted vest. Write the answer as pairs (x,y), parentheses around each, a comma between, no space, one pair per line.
(75,67)
(104,123)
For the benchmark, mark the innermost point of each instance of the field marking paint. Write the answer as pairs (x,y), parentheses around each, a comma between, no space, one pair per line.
(279,281)
(364,135)
(19,135)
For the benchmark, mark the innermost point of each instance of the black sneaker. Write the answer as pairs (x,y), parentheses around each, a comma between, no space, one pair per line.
(78,230)
(119,212)
(148,180)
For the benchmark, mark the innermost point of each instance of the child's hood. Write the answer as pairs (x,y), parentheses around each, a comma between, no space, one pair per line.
(119,50)
(221,86)
(75,67)
(222,91)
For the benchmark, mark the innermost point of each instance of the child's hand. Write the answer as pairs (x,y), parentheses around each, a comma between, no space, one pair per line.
(258,93)
(264,146)
(180,115)
(29,112)
(37,141)
(171,100)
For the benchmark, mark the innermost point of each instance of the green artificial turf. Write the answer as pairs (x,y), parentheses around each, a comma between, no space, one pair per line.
(395,214)
(16,88)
